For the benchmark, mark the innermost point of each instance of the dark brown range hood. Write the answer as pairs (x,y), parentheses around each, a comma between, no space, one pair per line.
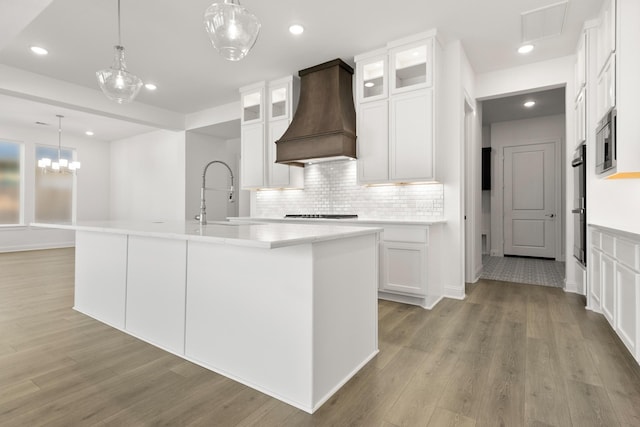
(324,125)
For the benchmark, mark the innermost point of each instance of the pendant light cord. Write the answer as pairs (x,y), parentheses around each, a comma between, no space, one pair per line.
(59,136)
(119,37)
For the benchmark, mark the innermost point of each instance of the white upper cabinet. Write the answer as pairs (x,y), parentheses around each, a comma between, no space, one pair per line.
(606,37)
(267,110)
(622,88)
(373,142)
(281,97)
(252,155)
(581,65)
(411,66)
(396,116)
(252,103)
(581,117)
(411,137)
(372,77)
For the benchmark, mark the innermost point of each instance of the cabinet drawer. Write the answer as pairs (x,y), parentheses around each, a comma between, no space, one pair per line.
(628,253)
(608,244)
(411,235)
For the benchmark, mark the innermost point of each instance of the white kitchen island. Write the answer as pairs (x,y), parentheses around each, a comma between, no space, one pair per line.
(287,309)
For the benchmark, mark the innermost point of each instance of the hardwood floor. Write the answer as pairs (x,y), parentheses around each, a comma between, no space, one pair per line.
(510,355)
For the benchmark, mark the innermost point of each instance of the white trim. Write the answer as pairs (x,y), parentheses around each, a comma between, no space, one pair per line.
(455,293)
(37,247)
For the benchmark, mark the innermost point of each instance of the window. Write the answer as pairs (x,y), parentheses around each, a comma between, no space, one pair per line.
(53,190)
(10,185)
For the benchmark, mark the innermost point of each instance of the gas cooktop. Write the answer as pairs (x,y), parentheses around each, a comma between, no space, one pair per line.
(321,216)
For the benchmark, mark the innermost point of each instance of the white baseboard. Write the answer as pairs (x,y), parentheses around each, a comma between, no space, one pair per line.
(454,293)
(37,246)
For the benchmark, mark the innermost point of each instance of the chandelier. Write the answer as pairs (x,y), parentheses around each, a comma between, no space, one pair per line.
(60,165)
(233,30)
(116,82)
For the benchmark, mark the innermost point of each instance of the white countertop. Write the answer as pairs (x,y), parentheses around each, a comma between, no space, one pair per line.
(325,221)
(259,235)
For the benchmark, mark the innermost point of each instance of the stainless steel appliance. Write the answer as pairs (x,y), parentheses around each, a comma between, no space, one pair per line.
(580,205)
(606,142)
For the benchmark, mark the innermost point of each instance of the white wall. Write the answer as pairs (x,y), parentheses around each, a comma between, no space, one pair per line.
(457,84)
(521,132)
(147,176)
(200,150)
(92,185)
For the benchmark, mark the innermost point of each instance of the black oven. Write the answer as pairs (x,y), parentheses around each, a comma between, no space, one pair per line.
(606,142)
(580,205)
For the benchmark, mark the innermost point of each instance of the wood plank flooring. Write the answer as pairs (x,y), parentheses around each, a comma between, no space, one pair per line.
(508,355)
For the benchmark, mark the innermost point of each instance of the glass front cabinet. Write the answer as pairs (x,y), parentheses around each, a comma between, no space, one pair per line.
(396,111)
(411,66)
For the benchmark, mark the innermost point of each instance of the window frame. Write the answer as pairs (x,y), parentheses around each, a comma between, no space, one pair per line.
(74,183)
(22,183)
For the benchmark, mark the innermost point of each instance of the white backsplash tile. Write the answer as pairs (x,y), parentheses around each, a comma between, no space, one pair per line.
(332,188)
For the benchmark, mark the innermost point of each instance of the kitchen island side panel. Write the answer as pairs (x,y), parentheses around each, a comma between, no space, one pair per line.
(101,276)
(249,316)
(345,306)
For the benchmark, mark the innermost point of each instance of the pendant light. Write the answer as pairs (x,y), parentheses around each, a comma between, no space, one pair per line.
(59,165)
(233,30)
(116,82)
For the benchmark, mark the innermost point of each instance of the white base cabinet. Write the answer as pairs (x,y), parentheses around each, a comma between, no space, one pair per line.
(404,268)
(614,282)
(294,322)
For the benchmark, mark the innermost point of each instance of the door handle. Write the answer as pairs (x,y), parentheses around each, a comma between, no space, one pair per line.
(551,215)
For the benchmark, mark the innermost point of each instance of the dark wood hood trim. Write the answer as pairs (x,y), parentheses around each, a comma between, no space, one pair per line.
(324,124)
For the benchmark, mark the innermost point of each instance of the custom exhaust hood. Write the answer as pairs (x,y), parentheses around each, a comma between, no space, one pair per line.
(324,125)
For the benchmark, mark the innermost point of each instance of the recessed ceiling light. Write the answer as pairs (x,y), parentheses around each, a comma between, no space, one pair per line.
(89,133)
(150,86)
(529,104)
(296,29)
(39,50)
(526,48)
(369,84)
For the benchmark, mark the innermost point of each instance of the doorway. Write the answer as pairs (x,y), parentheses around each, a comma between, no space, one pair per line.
(521,207)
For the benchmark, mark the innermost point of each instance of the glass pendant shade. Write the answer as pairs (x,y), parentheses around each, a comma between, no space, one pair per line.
(233,30)
(116,82)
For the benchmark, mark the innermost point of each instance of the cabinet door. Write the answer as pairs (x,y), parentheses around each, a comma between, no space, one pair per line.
(628,304)
(373,142)
(606,32)
(252,106)
(411,66)
(280,101)
(101,276)
(581,119)
(252,155)
(411,140)
(372,79)
(607,88)
(580,71)
(608,288)
(279,175)
(595,280)
(404,267)
(156,290)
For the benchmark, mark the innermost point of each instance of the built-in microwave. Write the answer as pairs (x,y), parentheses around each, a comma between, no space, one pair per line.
(606,142)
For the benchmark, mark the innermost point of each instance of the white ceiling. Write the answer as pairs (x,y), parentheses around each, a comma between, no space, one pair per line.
(166,43)
(548,102)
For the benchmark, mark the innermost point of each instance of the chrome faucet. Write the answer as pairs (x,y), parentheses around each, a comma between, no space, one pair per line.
(203,205)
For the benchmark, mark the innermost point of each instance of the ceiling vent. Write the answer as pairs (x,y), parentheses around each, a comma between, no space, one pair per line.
(545,22)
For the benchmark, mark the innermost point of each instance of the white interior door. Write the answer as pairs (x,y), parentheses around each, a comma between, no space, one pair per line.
(530,200)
